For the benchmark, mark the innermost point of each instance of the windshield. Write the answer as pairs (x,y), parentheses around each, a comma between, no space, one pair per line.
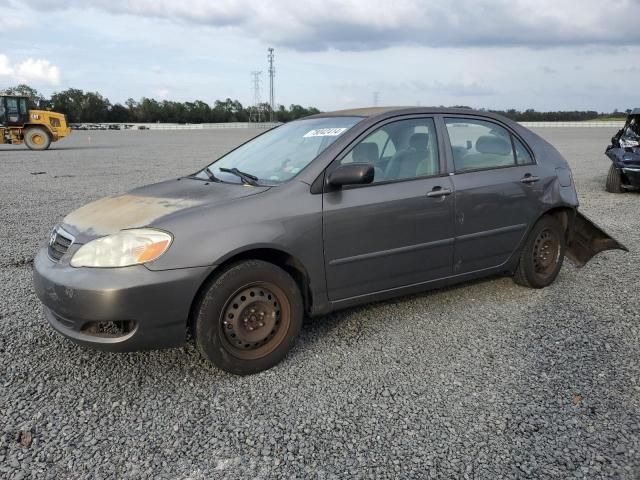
(279,154)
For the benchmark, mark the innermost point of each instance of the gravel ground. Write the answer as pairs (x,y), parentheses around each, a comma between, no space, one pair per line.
(484,380)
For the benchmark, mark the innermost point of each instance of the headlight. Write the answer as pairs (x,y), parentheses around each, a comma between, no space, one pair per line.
(626,143)
(125,248)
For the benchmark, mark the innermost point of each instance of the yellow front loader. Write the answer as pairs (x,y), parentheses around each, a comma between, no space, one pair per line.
(35,128)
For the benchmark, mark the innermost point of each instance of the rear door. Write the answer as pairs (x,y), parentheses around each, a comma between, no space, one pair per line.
(399,230)
(498,192)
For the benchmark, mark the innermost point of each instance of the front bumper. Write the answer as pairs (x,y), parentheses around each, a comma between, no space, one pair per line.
(154,305)
(627,161)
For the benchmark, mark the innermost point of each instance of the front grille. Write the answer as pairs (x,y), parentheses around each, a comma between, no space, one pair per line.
(59,243)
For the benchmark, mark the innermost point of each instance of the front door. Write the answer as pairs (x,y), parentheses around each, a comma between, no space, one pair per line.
(16,111)
(397,231)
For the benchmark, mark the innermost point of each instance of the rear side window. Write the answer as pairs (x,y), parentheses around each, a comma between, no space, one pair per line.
(479,145)
(523,157)
(24,108)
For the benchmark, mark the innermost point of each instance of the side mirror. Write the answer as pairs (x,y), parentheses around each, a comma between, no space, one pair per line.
(351,174)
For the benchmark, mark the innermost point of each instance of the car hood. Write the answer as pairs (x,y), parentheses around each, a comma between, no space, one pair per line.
(145,206)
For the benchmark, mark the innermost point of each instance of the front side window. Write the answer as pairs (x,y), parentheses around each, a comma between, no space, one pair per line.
(477,144)
(12,105)
(279,154)
(399,150)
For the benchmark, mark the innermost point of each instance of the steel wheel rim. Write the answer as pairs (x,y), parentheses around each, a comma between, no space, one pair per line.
(37,139)
(546,252)
(255,320)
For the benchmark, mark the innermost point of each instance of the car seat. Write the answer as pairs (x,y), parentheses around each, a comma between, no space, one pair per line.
(412,161)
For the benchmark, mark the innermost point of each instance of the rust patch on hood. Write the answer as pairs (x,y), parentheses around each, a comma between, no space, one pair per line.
(112,214)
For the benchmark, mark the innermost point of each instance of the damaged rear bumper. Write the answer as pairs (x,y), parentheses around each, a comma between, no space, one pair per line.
(586,239)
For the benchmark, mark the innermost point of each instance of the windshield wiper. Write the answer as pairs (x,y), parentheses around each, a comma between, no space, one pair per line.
(245,177)
(210,174)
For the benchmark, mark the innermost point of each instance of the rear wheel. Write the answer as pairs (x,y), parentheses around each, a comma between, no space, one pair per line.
(542,255)
(37,138)
(248,317)
(614,180)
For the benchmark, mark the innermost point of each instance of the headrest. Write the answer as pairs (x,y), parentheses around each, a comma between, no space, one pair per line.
(366,152)
(419,141)
(493,145)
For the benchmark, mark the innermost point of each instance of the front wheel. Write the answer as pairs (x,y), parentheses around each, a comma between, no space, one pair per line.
(37,138)
(614,180)
(248,317)
(542,255)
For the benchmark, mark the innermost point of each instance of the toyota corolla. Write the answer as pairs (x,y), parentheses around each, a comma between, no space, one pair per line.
(319,214)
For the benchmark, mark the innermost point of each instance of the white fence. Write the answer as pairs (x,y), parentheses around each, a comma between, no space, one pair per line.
(201,126)
(593,124)
(204,126)
(266,125)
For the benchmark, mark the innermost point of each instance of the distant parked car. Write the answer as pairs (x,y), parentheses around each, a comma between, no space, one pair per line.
(624,153)
(330,211)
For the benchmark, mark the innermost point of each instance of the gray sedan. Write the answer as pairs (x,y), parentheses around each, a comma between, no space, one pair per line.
(319,214)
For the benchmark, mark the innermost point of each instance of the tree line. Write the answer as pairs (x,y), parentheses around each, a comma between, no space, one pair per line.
(91,107)
(531,115)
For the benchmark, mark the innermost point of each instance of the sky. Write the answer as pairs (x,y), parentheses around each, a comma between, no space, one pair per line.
(499,54)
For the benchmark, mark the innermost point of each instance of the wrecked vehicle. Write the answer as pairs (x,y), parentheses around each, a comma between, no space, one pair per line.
(624,152)
(319,214)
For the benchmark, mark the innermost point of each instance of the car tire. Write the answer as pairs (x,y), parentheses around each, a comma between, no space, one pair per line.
(614,180)
(542,255)
(248,317)
(37,138)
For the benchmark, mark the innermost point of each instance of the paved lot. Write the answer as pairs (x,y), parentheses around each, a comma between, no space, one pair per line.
(484,380)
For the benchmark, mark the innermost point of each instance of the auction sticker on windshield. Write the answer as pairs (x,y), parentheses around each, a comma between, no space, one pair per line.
(325,132)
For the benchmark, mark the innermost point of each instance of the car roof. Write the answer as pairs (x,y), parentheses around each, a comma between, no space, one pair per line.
(393,111)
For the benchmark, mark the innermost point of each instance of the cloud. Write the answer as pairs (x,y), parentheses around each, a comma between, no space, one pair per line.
(5,66)
(10,22)
(628,69)
(458,89)
(161,93)
(375,24)
(416,87)
(36,71)
(549,70)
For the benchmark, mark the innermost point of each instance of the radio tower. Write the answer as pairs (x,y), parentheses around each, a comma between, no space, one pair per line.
(256,111)
(272,73)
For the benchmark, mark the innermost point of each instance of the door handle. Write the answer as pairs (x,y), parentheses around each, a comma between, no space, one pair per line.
(439,192)
(528,178)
